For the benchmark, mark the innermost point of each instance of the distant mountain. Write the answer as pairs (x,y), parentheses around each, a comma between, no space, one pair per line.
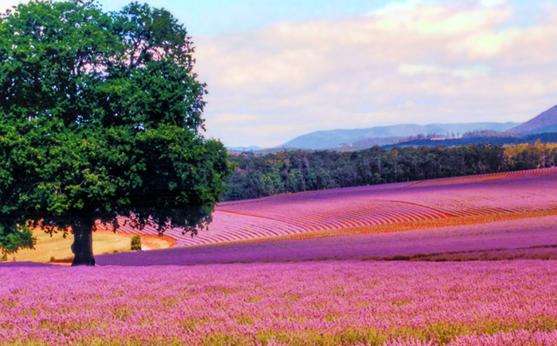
(384,135)
(546,122)
(370,142)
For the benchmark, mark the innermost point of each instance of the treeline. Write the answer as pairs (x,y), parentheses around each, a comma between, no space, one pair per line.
(294,171)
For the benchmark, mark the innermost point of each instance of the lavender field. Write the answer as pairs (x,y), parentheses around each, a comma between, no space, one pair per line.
(530,238)
(318,303)
(392,207)
(485,279)
(276,173)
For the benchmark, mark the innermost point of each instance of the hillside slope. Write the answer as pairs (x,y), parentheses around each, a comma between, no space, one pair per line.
(384,135)
(380,208)
(546,122)
(522,238)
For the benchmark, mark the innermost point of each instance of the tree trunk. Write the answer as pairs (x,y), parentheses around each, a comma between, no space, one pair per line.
(82,246)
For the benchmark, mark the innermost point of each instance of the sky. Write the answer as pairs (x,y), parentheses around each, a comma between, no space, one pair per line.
(276,69)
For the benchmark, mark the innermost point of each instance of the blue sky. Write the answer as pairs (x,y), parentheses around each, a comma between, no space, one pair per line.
(213,17)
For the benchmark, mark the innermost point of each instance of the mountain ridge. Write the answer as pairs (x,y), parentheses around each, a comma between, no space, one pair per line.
(384,135)
(545,122)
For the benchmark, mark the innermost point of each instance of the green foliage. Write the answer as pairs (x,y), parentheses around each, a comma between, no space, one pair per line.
(136,243)
(101,115)
(14,237)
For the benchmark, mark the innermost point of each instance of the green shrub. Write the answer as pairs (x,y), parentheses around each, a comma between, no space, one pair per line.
(136,243)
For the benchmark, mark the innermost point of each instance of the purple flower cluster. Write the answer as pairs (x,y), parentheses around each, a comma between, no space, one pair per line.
(329,302)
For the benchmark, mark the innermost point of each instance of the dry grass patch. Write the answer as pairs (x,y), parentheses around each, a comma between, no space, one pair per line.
(56,248)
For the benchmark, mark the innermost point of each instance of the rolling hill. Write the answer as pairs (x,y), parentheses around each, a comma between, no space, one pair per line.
(385,135)
(379,208)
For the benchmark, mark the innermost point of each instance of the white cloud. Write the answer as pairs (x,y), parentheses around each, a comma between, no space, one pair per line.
(464,73)
(412,61)
(434,19)
(493,3)
(485,45)
(227,119)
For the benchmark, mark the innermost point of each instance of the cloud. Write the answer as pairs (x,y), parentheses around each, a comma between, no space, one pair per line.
(433,19)
(411,61)
(421,70)
(238,119)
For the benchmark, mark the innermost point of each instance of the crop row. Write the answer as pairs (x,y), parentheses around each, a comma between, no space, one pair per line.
(521,238)
(390,204)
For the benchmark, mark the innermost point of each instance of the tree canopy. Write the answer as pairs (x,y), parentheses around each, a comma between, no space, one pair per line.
(100,117)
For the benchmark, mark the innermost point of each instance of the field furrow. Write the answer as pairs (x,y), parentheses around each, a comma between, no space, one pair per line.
(483,196)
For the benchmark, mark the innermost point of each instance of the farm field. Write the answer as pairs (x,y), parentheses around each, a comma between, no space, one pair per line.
(194,173)
(442,262)
(389,207)
(532,238)
(316,303)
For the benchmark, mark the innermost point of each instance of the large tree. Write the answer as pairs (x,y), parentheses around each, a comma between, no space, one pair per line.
(100,117)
